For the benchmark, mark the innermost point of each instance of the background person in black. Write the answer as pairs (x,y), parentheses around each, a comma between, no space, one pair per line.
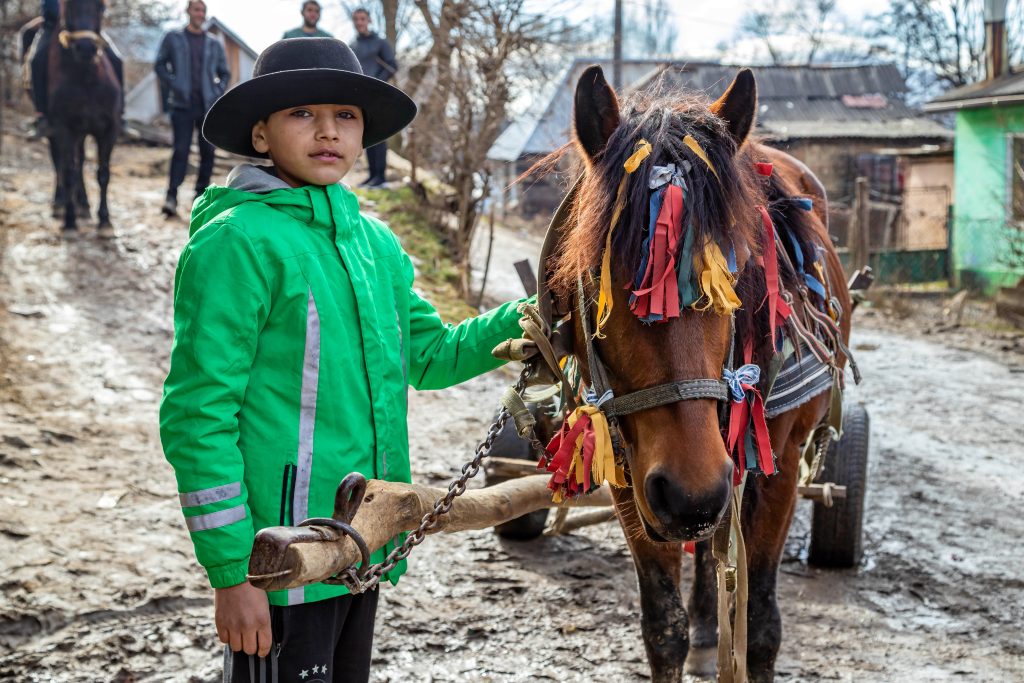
(193,72)
(377,58)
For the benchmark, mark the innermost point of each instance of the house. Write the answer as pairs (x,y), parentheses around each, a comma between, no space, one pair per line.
(988,216)
(834,118)
(138,47)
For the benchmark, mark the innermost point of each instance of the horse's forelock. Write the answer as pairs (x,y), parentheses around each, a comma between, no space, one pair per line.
(723,207)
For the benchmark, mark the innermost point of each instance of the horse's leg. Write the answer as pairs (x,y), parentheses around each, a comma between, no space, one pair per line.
(81,196)
(702,610)
(68,164)
(57,210)
(662,616)
(104,148)
(767,512)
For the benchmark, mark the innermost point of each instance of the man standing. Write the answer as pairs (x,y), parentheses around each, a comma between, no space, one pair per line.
(194,72)
(310,19)
(377,58)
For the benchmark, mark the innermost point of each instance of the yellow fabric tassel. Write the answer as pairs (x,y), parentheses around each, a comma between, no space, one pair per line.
(604,298)
(602,466)
(716,282)
(695,147)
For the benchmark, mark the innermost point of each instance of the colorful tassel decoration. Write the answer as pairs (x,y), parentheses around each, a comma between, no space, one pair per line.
(779,309)
(695,147)
(716,281)
(581,455)
(604,299)
(656,298)
(748,440)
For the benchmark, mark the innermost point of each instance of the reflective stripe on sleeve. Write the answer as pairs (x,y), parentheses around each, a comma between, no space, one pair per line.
(215,520)
(216,494)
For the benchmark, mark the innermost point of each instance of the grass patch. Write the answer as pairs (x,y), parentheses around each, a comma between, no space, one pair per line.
(410,219)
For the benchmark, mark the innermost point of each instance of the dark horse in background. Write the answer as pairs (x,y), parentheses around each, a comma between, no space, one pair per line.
(678,467)
(85,99)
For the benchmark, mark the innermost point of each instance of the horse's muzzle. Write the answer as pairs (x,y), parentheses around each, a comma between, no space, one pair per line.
(680,514)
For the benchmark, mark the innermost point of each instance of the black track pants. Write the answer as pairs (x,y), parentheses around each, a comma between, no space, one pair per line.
(321,642)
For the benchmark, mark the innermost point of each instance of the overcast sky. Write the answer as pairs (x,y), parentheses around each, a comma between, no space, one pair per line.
(701,24)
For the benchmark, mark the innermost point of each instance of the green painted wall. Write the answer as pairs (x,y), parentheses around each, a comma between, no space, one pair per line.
(979,215)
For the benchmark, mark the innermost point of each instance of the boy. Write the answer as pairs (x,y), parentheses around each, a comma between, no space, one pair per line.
(297,333)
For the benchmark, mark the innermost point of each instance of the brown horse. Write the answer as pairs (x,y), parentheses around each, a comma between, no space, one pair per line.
(84,99)
(679,471)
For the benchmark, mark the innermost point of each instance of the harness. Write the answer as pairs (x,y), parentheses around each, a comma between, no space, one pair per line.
(66,37)
(575,455)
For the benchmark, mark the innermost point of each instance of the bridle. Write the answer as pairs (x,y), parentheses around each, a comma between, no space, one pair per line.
(66,37)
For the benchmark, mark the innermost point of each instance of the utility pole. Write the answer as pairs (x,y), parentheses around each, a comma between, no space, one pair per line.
(617,47)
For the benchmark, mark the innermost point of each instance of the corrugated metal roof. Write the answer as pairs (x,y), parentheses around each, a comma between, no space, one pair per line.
(1006,89)
(795,102)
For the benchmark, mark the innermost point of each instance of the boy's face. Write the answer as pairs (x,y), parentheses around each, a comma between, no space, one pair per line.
(316,144)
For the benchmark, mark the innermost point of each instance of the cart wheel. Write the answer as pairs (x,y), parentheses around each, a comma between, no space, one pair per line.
(837,531)
(507,444)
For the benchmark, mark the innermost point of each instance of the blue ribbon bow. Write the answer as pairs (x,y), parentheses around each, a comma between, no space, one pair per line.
(747,374)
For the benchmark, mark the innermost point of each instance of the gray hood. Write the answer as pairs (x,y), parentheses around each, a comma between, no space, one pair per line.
(255,179)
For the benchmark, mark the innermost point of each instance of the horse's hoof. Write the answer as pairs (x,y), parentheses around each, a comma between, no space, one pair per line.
(105,231)
(701,662)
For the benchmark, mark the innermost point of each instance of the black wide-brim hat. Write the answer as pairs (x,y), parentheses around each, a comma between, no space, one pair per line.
(300,71)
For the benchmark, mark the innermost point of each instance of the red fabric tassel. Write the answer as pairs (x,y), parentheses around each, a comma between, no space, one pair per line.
(658,295)
(746,415)
(764,169)
(778,310)
(690,547)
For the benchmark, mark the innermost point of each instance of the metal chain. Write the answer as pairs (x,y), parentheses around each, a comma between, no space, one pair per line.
(371,576)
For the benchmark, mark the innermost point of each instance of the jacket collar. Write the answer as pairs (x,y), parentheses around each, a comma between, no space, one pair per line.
(333,207)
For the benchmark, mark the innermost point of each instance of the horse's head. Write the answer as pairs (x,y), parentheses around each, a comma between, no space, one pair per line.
(81,23)
(678,465)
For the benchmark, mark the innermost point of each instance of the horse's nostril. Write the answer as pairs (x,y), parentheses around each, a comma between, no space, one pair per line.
(683,512)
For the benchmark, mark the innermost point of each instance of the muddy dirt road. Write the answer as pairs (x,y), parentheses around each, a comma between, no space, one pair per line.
(98,581)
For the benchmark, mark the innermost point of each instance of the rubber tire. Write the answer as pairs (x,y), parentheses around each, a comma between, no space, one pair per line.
(507,444)
(837,533)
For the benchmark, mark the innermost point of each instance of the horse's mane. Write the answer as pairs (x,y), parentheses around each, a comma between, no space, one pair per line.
(721,209)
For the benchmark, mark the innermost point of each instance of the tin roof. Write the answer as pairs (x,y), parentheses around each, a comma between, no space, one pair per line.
(795,102)
(1008,89)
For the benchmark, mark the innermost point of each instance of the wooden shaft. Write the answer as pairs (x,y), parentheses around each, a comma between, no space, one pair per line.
(289,557)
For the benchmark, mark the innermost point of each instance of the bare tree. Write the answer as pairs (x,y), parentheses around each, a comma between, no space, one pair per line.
(941,45)
(484,54)
(650,30)
(792,31)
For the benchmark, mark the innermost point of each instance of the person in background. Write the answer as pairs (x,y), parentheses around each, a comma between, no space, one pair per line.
(377,58)
(310,19)
(193,70)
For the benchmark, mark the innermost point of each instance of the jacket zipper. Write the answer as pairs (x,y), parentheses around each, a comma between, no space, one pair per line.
(287,493)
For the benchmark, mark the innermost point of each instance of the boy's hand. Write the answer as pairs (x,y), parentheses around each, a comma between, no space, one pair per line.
(243,619)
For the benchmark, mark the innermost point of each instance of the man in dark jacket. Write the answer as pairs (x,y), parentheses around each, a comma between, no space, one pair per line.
(377,58)
(194,72)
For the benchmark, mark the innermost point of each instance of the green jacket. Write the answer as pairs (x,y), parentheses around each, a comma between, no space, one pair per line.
(297,333)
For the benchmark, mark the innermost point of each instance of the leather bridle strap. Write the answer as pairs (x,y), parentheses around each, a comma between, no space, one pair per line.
(664,394)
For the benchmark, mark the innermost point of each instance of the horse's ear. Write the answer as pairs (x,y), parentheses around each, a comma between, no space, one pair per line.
(596,111)
(738,105)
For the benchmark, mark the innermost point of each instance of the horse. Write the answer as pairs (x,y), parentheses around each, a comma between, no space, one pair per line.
(84,99)
(657,382)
